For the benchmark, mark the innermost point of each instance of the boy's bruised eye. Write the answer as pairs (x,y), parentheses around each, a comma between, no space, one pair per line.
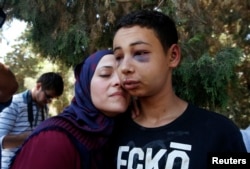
(142,56)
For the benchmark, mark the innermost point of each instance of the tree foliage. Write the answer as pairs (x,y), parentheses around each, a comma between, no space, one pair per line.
(209,77)
(213,36)
(28,66)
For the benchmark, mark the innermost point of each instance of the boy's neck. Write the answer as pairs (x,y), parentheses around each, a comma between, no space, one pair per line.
(155,112)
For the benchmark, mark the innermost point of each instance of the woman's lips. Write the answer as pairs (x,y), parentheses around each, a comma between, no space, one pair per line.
(118,93)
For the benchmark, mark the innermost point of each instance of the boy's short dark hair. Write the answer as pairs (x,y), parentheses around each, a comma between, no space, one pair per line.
(52,81)
(163,26)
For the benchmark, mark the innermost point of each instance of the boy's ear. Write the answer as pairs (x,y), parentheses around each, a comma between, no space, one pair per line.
(175,55)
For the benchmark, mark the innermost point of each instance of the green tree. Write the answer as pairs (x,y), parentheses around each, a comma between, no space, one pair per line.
(23,63)
(28,66)
(216,53)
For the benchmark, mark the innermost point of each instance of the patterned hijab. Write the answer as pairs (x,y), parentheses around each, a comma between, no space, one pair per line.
(81,111)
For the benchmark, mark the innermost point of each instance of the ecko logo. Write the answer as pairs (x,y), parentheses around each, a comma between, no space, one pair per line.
(146,159)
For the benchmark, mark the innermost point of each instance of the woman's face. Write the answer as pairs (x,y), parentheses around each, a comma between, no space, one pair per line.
(106,92)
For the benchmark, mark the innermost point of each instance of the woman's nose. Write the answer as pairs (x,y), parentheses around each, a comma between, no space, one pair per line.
(116,79)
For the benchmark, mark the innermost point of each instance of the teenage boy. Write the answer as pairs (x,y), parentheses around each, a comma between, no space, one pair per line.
(168,132)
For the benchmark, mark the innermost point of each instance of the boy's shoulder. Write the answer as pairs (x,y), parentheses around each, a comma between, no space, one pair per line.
(212,119)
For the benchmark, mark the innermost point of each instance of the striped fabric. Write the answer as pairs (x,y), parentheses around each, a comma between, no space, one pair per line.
(14,120)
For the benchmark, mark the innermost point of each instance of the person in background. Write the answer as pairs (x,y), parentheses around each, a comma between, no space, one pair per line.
(25,112)
(8,86)
(168,132)
(246,137)
(75,138)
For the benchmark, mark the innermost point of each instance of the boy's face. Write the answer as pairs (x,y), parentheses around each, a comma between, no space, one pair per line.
(143,66)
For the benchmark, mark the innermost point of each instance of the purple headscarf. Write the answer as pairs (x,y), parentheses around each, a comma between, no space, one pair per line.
(81,111)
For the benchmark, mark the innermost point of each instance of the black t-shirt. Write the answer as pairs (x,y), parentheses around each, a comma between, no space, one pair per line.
(183,143)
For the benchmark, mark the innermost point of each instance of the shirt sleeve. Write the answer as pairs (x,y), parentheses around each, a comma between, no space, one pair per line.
(50,150)
(7,120)
(246,138)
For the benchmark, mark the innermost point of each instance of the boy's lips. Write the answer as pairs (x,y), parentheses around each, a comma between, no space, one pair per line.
(130,84)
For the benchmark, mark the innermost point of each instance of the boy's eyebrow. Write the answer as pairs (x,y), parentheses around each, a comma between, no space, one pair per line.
(138,43)
(133,44)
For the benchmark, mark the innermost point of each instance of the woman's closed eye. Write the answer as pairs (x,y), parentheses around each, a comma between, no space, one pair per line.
(106,72)
(105,75)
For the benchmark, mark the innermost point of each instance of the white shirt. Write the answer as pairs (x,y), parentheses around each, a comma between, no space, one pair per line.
(14,120)
(246,137)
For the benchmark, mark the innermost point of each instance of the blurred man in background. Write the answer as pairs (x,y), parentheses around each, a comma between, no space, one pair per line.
(27,110)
